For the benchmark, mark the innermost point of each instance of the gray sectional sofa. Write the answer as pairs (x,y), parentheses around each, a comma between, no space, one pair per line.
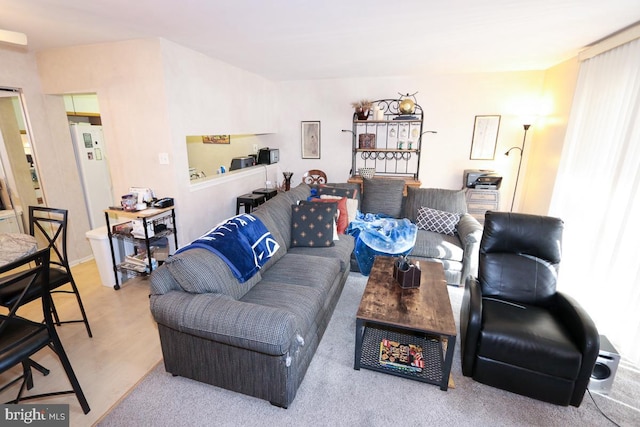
(256,337)
(458,253)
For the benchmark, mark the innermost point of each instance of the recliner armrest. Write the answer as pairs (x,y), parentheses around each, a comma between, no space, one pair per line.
(584,334)
(470,324)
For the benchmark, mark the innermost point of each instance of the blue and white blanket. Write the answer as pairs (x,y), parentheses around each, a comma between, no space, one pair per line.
(242,241)
(377,234)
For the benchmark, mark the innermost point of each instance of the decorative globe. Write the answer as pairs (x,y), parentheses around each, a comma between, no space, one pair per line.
(406,106)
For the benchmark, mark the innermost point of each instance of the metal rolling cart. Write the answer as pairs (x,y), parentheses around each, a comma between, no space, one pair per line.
(155,225)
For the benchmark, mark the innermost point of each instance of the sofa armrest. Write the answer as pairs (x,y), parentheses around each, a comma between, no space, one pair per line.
(218,317)
(470,234)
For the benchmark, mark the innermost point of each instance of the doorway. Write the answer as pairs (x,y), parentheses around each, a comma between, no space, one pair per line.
(20,184)
(85,125)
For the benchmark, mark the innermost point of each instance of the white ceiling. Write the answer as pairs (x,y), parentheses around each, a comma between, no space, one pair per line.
(314,39)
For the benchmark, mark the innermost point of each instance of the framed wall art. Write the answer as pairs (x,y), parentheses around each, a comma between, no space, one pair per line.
(485,137)
(216,139)
(310,134)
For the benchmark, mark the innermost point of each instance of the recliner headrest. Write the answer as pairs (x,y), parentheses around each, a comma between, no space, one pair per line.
(535,235)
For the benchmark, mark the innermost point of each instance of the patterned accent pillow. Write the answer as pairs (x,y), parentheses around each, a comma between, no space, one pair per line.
(437,221)
(312,224)
(349,193)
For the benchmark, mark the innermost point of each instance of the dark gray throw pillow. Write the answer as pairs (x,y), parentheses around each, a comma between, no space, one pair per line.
(382,196)
(335,191)
(312,224)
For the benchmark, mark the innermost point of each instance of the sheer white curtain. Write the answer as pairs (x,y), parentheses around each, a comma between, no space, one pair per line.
(597,194)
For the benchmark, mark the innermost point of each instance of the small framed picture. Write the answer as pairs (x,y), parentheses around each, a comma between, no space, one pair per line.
(216,139)
(310,137)
(485,137)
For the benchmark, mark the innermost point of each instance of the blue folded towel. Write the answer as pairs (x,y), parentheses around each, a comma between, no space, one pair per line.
(242,241)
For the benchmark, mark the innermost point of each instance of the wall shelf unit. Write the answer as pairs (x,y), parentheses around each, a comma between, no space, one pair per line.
(392,145)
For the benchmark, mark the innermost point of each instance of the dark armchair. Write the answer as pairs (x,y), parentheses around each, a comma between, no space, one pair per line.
(517,332)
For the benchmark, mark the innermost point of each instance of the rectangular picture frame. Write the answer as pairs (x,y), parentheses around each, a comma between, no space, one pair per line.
(310,139)
(485,137)
(216,139)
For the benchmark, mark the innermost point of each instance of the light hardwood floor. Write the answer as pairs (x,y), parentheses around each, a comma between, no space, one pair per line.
(125,345)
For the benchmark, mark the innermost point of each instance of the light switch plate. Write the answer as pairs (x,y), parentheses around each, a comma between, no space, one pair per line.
(163,158)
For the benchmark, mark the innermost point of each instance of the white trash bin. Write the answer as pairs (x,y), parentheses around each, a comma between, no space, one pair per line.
(99,241)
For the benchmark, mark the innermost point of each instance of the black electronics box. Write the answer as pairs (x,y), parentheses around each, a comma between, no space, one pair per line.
(268,156)
(241,163)
(163,203)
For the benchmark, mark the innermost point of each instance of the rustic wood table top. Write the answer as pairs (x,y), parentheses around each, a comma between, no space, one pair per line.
(426,309)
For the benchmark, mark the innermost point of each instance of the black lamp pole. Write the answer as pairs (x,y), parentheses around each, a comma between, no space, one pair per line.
(524,140)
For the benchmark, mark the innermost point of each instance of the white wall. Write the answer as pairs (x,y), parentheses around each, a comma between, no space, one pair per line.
(208,97)
(52,145)
(450,104)
(152,94)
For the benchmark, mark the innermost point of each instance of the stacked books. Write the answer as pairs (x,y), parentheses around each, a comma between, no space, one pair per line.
(407,357)
(139,262)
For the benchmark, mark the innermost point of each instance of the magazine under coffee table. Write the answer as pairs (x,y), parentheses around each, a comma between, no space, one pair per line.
(421,317)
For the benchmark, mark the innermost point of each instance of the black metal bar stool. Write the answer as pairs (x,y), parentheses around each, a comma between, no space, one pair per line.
(266,192)
(250,202)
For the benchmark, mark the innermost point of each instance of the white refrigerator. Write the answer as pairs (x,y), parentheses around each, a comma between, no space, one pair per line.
(91,158)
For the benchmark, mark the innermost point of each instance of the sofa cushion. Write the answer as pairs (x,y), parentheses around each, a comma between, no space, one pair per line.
(435,198)
(303,302)
(199,271)
(436,245)
(294,269)
(437,221)
(279,209)
(312,224)
(264,215)
(300,192)
(341,251)
(382,196)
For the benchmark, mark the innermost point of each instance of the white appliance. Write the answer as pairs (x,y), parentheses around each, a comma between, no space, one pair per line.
(91,158)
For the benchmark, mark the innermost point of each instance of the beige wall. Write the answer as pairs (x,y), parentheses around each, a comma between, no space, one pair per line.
(153,93)
(128,80)
(548,138)
(450,103)
(52,145)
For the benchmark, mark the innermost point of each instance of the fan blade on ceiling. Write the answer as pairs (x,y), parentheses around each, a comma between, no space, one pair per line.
(13,37)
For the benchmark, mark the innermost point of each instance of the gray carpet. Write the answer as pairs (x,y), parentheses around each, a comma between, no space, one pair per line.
(333,393)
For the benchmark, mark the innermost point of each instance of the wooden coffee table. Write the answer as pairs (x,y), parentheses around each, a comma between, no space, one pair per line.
(421,316)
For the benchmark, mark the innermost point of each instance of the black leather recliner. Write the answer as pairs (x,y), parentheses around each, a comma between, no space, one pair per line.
(517,332)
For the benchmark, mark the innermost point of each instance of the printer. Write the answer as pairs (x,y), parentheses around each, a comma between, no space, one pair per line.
(241,163)
(482,179)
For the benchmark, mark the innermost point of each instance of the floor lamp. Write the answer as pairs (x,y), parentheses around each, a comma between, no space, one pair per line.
(524,140)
